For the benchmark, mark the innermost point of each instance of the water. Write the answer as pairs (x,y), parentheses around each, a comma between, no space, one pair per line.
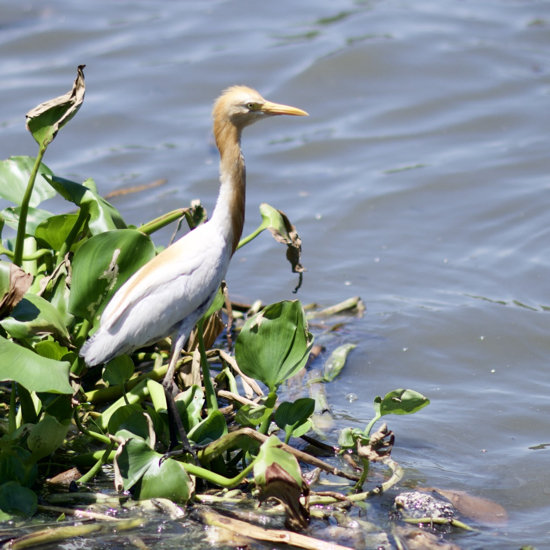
(420,182)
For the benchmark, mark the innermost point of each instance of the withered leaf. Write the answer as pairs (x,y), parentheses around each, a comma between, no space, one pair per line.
(280,485)
(20,282)
(289,236)
(379,447)
(45,120)
(479,509)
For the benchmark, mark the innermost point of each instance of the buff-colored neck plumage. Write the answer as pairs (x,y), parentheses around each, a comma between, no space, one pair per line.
(230,206)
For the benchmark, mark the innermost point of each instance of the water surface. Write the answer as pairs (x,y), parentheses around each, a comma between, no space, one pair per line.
(420,182)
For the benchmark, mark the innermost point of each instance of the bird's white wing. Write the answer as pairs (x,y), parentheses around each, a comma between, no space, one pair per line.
(164,292)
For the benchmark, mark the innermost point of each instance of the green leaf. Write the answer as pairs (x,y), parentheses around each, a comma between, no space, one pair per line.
(102,265)
(121,415)
(134,460)
(251,416)
(336,362)
(103,216)
(51,350)
(189,404)
(292,416)
(402,402)
(32,371)
(46,437)
(274,344)
(35,217)
(165,479)
(18,500)
(136,425)
(45,120)
(34,316)
(271,453)
(54,230)
(118,370)
(14,177)
(211,428)
(14,466)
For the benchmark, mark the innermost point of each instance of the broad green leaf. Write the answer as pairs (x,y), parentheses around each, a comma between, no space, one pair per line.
(45,120)
(102,265)
(133,461)
(121,415)
(336,362)
(190,404)
(290,417)
(14,177)
(46,437)
(32,371)
(251,416)
(274,344)
(34,316)
(17,500)
(103,216)
(55,230)
(211,428)
(271,453)
(136,426)
(15,466)
(165,479)
(118,370)
(51,350)
(402,402)
(217,304)
(35,217)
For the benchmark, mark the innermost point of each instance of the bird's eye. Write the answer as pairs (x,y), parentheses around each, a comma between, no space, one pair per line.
(252,106)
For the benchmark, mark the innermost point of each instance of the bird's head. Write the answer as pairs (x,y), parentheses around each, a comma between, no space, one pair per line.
(243,106)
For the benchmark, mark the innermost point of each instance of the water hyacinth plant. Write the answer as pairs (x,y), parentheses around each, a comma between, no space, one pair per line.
(59,274)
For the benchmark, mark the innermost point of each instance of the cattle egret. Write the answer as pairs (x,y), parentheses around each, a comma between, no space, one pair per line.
(169,294)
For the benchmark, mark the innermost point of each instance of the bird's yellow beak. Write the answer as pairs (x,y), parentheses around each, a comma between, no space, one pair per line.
(277,109)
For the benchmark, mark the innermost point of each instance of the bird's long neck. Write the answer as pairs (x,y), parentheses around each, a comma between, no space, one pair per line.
(230,206)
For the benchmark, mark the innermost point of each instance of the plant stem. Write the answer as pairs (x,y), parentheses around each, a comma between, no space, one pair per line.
(22,225)
(12,424)
(252,236)
(34,256)
(269,404)
(209,393)
(371,424)
(211,477)
(162,221)
(90,474)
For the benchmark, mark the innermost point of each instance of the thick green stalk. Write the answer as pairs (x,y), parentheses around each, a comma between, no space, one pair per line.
(12,422)
(269,404)
(252,236)
(90,474)
(22,226)
(162,221)
(211,477)
(34,256)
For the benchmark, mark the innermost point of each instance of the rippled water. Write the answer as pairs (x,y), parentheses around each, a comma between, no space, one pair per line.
(420,182)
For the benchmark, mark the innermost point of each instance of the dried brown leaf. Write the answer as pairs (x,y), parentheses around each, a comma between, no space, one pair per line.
(379,447)
(45,120)
(20,282)
(293,242)
(280,485)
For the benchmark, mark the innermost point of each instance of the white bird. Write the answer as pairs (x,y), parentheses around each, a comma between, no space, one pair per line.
(169,294)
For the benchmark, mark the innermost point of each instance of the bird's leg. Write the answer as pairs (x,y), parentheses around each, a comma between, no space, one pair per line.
(210,394)
(175,424)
